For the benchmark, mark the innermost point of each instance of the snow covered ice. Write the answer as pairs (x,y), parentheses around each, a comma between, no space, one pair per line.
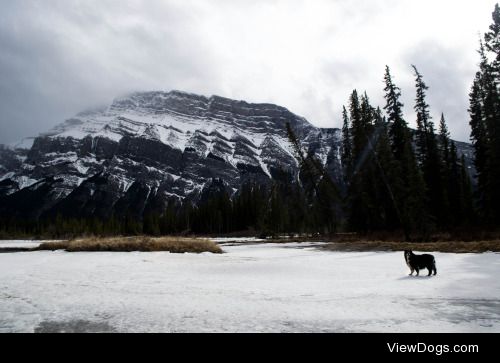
(253,287)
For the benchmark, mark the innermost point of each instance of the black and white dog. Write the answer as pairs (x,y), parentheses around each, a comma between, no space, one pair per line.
(419,262)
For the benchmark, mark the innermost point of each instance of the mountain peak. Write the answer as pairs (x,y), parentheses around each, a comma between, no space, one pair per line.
(149,148)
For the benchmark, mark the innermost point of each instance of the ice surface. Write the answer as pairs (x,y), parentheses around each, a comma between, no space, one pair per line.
(252,288)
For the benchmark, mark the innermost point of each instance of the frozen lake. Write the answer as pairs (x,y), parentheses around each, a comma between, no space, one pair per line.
(250,288)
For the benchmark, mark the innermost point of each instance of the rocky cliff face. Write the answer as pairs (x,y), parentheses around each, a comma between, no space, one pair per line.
(149,149)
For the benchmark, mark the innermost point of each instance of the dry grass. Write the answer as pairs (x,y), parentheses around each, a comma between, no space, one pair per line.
(134,244)
(53,246)
(445,246)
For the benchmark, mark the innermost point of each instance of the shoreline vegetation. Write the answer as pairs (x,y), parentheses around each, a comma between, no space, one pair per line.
(354,243)
(202,244)
(127,244)
(442,246)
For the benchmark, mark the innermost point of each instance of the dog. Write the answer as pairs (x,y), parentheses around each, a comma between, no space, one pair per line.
(420,262)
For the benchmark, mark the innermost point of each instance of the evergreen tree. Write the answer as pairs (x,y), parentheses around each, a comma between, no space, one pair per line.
(444,141)
(367,117)
(152,224)
(429,157)
(455,187)
(485,135)
(277,213)
(411,200)
(479,139)
(459,189)
(325,208)
(398,129)
(357,199)
(456,178)
(423,117)
(492,42)
(346,151)
(388,181)
(357,129)
(168,221)
(467,203)
(491,117)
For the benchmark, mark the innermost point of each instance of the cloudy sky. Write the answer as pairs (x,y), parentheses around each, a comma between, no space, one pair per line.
(59,57)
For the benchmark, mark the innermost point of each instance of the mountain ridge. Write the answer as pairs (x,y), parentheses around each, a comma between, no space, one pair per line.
(157,148)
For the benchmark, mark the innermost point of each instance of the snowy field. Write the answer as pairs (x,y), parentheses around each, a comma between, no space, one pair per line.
(251,288)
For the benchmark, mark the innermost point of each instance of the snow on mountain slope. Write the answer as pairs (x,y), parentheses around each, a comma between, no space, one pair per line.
(162,145)
(174,118)
(207,125)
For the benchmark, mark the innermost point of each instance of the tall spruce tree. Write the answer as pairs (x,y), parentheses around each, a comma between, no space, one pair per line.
(479,140)
(423,116)
(428,154)
(358,138)
(485,126)
(368,162)
(360,193)
(346,151)
(456,180)
(388,178)
(398,128)
(381,177)
(444,141)
(491,115)
(492,42)
(411,196)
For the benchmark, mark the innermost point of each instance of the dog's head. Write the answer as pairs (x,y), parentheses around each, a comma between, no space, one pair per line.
(408,253)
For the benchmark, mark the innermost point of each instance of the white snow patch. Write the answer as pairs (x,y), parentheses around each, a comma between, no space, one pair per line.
(24,181)
(80,167)
(265,168)
(125,184)
(9,175)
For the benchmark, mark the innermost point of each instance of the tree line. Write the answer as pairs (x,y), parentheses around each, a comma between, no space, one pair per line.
(398,178)
(416,181)
(267,210)
(485,124)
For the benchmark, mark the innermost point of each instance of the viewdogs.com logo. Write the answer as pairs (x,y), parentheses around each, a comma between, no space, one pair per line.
(432,349)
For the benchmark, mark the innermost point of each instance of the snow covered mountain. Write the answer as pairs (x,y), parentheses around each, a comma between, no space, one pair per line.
(149,149)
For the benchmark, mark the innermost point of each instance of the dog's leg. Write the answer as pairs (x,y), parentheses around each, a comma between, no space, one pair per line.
(412,271)
(430,270)
(435,270)
(418,271)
